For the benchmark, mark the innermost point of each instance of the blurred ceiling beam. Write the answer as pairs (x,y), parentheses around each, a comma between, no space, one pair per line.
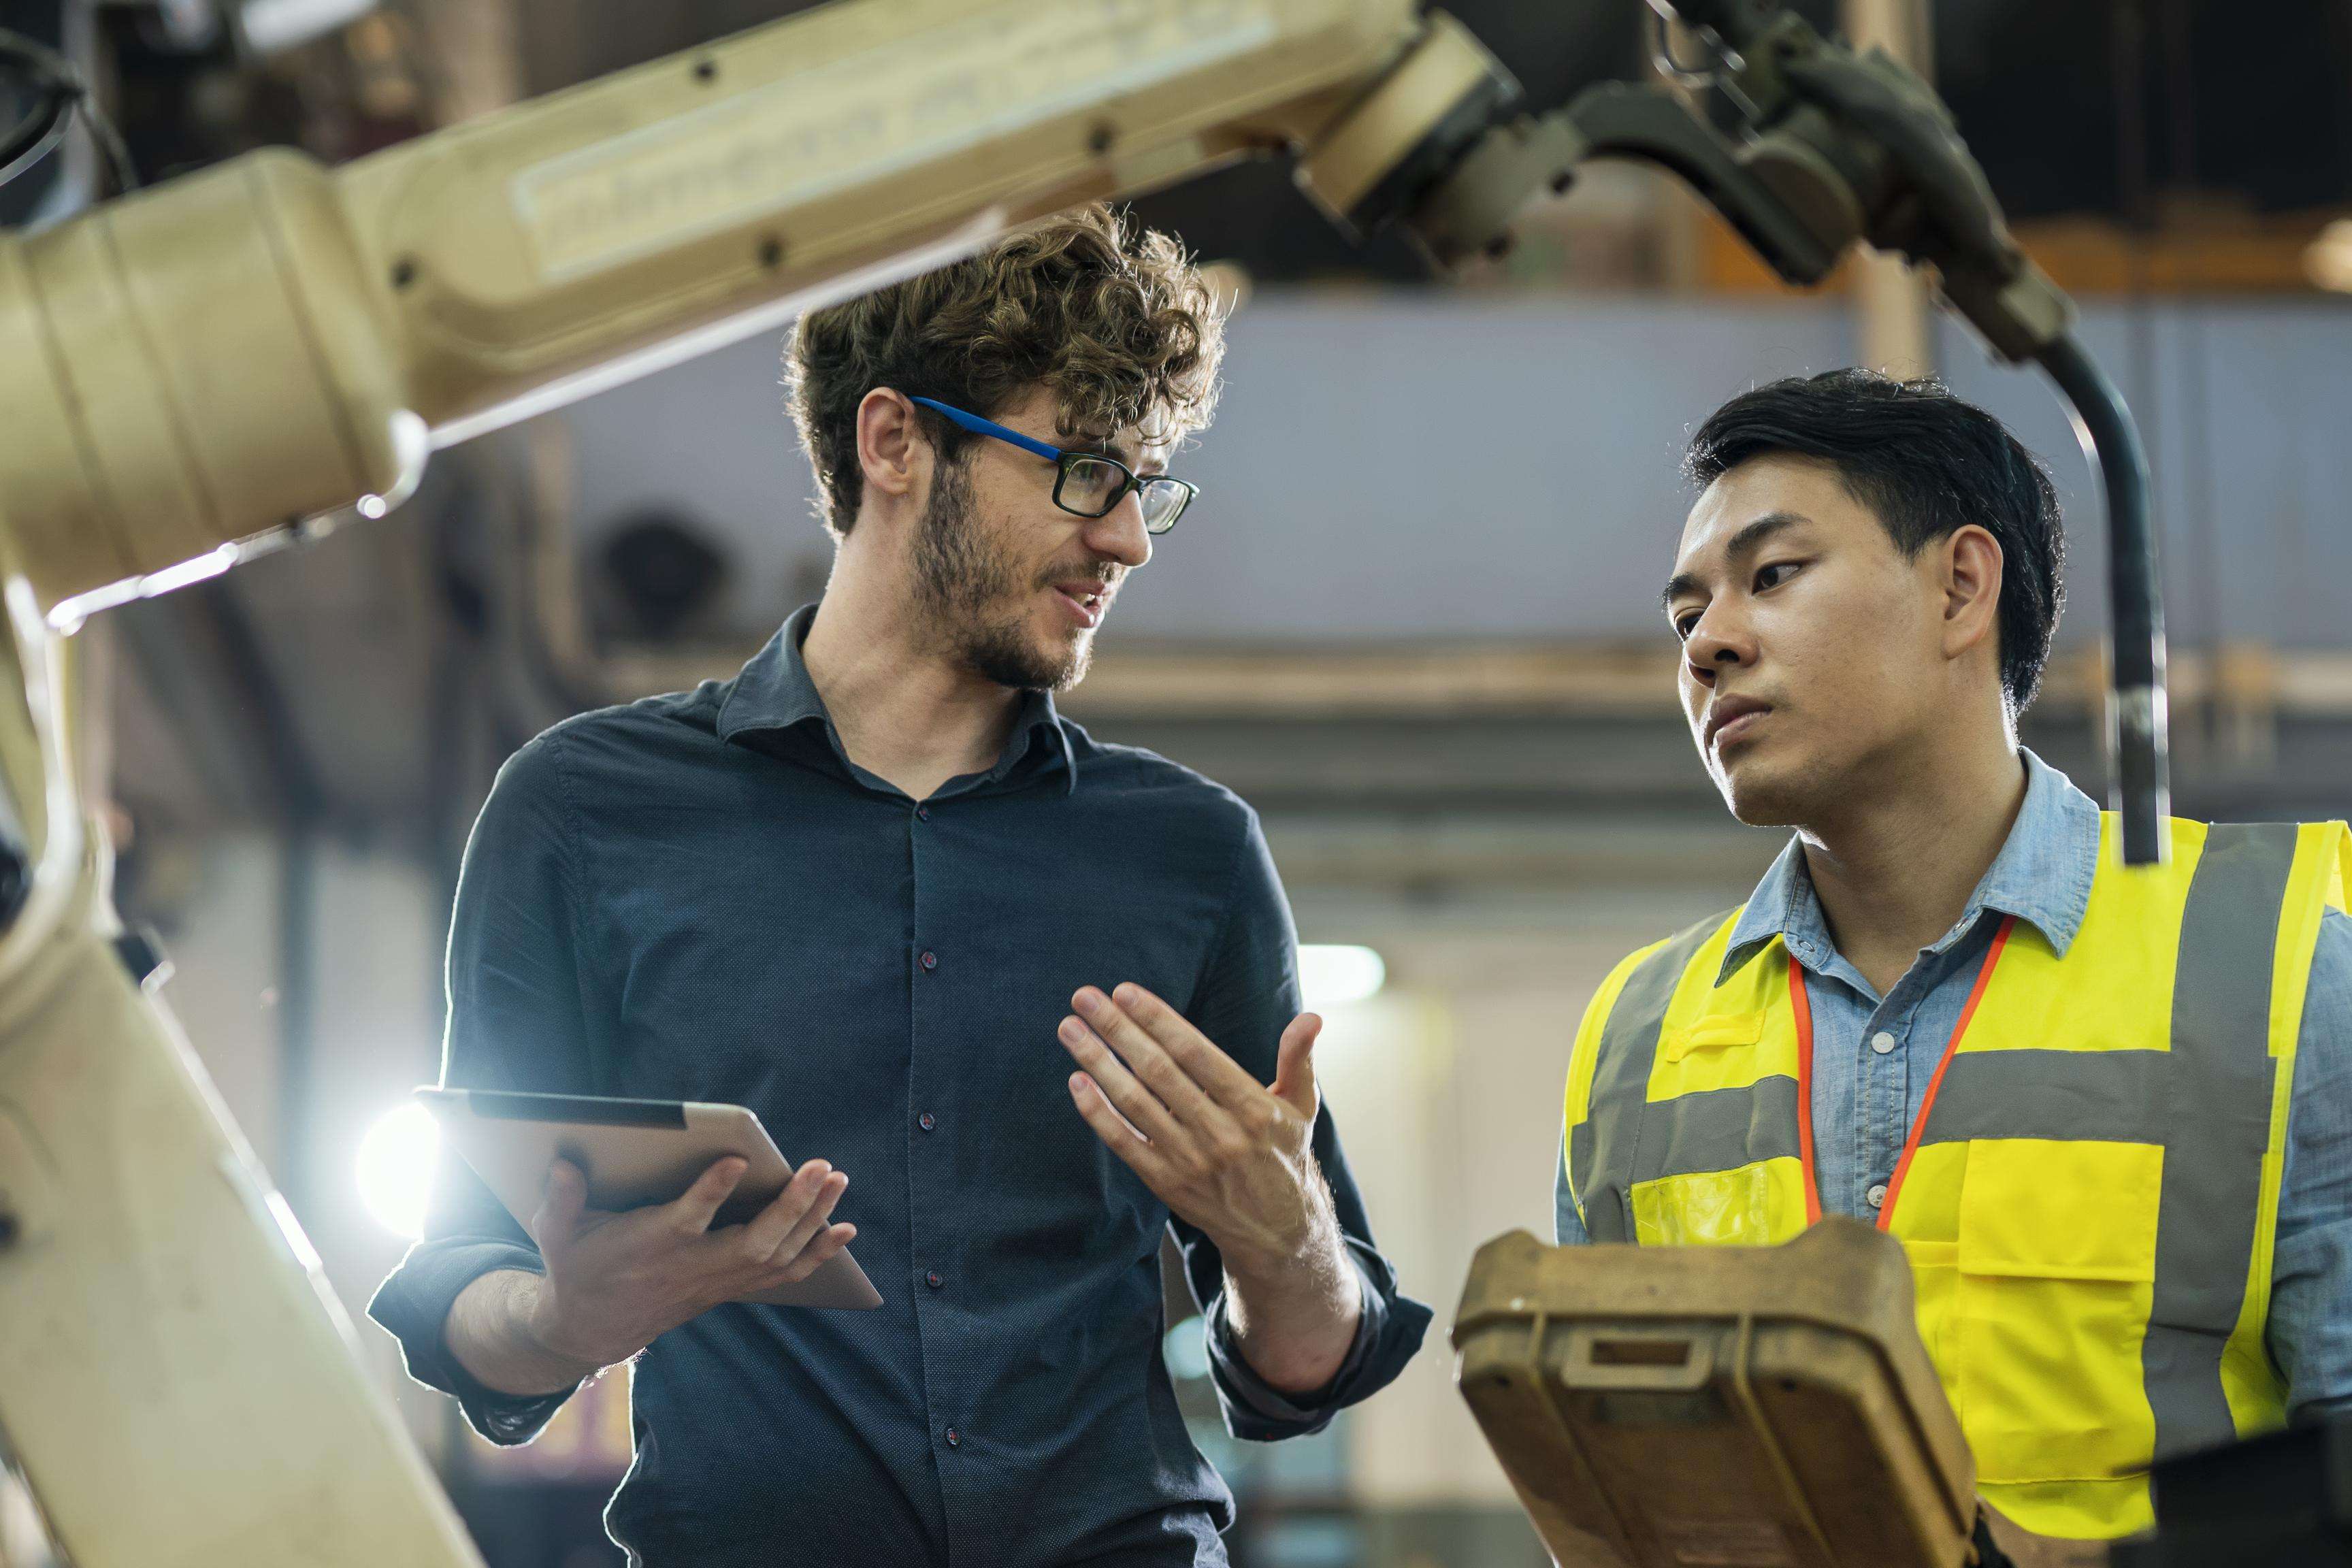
(1504,679)
(2196,248)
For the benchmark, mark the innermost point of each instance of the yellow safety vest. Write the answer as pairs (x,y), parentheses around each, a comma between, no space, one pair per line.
(2089,1196)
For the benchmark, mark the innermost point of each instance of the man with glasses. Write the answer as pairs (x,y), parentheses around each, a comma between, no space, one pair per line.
(1023,1001)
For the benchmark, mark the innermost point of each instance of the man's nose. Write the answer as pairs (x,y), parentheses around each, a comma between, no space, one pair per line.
(1717,642)
(1119,533)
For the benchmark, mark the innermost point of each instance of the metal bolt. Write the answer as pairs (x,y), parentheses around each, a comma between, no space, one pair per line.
(1099,139)
(706,70)
(771,252)
(403,272)
(10,1228)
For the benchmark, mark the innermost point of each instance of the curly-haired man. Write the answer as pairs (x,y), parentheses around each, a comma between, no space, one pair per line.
(877,889)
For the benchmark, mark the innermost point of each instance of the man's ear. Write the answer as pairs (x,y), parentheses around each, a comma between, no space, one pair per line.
(1972,566)
(892,452)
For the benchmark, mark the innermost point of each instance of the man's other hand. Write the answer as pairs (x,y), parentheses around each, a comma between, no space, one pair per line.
(615,1282)
(1221,1150)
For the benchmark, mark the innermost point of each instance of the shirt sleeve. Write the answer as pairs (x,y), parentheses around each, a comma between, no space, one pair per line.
(516,1020)
(2310,1269)
(1248,995)
(1567,1224)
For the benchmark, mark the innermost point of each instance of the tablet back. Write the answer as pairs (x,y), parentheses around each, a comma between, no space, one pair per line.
(635,1152)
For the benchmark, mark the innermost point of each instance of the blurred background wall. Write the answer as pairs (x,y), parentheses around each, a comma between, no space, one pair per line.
(1414,618)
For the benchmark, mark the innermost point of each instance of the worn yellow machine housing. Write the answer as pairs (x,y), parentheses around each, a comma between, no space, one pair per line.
(269,340)
(1763,1407)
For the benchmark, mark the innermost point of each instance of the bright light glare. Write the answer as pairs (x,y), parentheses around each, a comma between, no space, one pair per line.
(1332,977)
(1186,1350)
(395,1168)
(2329,258)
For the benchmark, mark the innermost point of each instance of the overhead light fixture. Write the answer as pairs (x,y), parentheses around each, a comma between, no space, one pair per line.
(268,25)
(1333,976)
(395,1168)
(2327,260)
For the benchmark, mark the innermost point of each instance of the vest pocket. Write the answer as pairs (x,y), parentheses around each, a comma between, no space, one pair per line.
(1712,1032)
(2056,1261)
(1755,1204)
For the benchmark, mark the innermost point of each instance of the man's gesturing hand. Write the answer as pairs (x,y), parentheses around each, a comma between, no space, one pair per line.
(617,1281)
(1219,1149)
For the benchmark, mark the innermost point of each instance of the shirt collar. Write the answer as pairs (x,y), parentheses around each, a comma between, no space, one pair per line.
(2042,876)
(773,693)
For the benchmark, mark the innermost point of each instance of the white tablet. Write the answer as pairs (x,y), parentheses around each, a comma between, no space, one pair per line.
(634,1153)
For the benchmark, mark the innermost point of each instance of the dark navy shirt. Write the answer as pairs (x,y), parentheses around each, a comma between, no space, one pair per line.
(699,897)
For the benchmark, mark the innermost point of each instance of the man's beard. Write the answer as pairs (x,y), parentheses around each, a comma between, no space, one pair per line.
(968,592)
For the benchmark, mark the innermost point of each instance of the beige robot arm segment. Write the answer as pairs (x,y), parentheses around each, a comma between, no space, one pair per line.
(269,339)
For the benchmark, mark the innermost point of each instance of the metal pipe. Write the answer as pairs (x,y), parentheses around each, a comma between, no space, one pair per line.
(2140,784)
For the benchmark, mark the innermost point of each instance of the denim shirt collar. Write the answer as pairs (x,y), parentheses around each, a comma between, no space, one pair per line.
(774,693)
(2042,876)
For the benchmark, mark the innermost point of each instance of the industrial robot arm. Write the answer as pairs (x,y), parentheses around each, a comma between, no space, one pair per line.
(269,340)
(195,370)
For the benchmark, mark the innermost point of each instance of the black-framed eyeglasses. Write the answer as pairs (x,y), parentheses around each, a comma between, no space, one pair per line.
(1085,484)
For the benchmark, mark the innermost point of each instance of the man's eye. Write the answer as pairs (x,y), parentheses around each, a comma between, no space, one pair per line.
(1772,577)
(1686,623)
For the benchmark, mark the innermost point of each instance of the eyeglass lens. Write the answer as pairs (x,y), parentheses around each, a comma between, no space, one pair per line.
(1092,485)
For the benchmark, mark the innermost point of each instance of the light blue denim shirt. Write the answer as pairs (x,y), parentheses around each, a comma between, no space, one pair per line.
(1873,1058)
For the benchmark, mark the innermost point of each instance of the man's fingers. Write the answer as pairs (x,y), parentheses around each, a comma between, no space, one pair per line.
(699,1204)
(1136,1014)
(813,1255)
(1294,1066)
(560,1210)
(812,1220)
(765,1231)
(1143,1053)
(1143,1107)
(1123,1140)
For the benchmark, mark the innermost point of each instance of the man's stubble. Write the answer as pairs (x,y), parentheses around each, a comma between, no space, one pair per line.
(970,593)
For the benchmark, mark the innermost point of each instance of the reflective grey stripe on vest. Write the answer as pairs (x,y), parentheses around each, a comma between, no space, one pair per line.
(1603,1148)
(2207,1100)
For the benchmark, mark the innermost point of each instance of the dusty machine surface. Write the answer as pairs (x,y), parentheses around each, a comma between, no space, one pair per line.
(1762,1407)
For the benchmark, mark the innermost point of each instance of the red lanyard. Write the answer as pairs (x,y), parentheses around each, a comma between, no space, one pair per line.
(1803,1009)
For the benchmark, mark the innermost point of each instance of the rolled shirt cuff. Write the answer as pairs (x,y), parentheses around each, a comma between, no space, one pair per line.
(414,1303)
(1254,1408)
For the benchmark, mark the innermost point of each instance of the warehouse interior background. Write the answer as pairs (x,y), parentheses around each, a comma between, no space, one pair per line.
(1413,619)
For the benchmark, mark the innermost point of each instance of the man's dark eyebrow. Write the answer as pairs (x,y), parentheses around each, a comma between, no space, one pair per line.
(1744,543)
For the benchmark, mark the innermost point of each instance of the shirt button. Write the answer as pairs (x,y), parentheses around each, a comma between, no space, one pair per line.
(1882,1042)
(955,1438)
(927,1121)
(1877,1195)
(922,813)
(931,961)
(934,1279)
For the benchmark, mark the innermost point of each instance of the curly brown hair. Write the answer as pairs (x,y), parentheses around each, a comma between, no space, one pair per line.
(1115,320)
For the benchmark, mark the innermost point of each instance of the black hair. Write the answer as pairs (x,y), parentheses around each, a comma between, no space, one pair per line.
(1926,464)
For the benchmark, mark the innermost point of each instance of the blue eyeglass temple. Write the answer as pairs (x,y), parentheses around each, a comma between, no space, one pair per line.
(979,426)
